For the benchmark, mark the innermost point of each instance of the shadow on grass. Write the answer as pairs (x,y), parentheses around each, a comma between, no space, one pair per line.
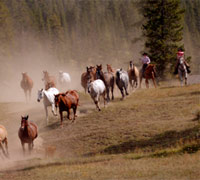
(160,141)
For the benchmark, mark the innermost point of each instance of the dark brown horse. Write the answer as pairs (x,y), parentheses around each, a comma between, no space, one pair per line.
(65,102)
(49,81)
(28,131)
(109,80)
(133,75)
(89,75)
(150,73)
(26,84)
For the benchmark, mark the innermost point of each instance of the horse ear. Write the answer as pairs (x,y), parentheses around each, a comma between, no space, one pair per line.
(27,117)
(120,69)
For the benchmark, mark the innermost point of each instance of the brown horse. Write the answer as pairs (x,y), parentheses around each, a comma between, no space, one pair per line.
(65,102)
(90,74)
(49,81)
(109,80)
(150,73)
(3,139)
(133,74)
(28,131)
(110,69)
(26,84)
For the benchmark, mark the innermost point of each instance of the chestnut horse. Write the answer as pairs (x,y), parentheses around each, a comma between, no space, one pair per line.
(26,85)
(110,69)
(65,102)
(90,74)
(49,81)
(133,74)
(28,131)
(3,139)
(109,80)
(150,73)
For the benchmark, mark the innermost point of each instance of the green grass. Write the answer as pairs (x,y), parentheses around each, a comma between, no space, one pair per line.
(152,134)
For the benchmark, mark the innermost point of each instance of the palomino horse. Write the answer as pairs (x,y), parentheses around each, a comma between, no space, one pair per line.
(48,100)
(3,139)
(122,80)
(26,84)
(109,80)
(182,71)
(133,75)
(27,133)
(90,74)
(65,102)
(149,73)
(49,81)
(96,89)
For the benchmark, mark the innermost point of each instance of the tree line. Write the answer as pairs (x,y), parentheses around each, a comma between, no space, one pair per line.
(79,29)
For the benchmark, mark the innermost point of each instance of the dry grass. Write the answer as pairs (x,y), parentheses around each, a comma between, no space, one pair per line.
(152,134)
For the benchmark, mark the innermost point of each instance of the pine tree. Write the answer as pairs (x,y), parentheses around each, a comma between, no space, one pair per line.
(163,31)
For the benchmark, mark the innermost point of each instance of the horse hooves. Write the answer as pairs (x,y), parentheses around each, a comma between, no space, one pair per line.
(99,109)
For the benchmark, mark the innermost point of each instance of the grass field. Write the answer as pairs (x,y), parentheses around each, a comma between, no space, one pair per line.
(152,134)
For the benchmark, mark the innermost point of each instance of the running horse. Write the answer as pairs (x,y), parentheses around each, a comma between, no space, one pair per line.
(109,80)
(4,140)
(150,73)
(110,69)
(27,133)
(26,84)
(182,71)
(49,81)
(89,75)
(65,102)
(133,74)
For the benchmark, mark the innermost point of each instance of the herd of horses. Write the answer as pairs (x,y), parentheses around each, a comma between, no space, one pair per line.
(94,81)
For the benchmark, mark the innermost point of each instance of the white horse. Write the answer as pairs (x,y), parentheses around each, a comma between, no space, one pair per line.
(96,89)
(48,100)
(64,78)
(182,71)
(122,80)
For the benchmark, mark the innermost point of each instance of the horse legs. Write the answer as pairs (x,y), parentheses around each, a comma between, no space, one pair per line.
(122,92)
(112,90)
(147,83)
(74,110)
(53,110)
(107,91)
(140,81)
(154,82)
(25,92)
(23,146)
(104,99)
(29,94)
(47,119)
(61,118)
(68,114)
(6,144)
(1,146)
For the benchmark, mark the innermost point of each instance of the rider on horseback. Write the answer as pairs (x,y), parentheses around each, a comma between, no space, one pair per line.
(145,61)
(180,54)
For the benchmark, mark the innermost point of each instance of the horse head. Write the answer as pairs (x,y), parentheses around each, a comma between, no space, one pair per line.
(24,75)
(40,95)
(99,72)
(24,121)
(118,73)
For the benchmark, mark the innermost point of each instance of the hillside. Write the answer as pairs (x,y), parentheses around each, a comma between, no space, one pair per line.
(73,33)
(149,123)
